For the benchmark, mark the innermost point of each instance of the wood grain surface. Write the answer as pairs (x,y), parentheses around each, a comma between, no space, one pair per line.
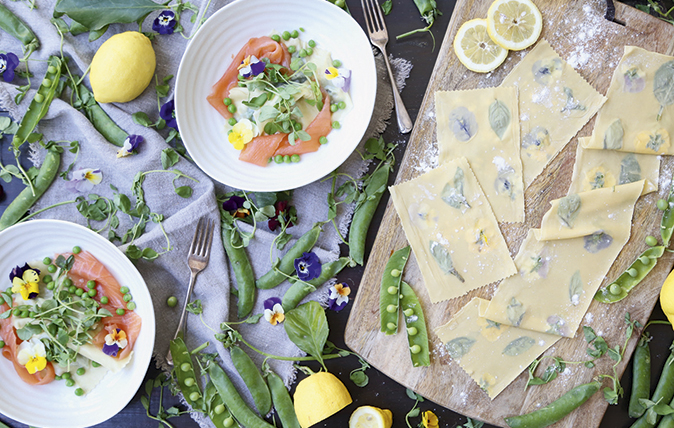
(577,31)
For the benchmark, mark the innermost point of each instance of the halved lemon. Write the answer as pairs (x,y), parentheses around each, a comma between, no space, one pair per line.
(371,417)
(475,49)
(514,24)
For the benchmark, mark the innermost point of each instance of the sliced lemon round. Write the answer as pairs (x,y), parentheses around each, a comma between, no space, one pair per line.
(514,24)
(371,417)
(475,48)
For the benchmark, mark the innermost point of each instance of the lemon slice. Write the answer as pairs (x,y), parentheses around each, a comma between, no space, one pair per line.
(371,417)
(514,24)
(475,48)
(667,298)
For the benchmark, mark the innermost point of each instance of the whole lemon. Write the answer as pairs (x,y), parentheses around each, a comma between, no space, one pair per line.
(667,297)
(319,396)
(122,67)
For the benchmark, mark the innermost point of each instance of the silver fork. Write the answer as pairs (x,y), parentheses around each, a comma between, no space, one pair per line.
(376,29)
(197,260)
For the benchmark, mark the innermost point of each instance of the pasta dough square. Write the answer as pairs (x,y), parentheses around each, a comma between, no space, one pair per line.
(492,354)
(555,103)
(638,116)
(482,126)
(452,231)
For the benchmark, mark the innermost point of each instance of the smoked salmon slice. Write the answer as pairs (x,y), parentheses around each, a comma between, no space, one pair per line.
(260,47)
(261,148)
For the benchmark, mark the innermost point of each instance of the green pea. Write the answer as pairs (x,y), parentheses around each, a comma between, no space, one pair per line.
(412,331)
(24,314)
(276,38)
(219,409)
(286,158)
(312,43)
(57,377)
(65,376)
(232,109)
(46,82)
(294,34)
(2,301)
(195,396)
(76,249)
(391,326)
(16,312)
(292,49)
(295,158)
(47,261)
(662,204)
(645,260)
(68,282)
(415,349)
(336,63)
(51,268)
(334,108)
(408,312)
(91,284)
(229,422)
(185,367)
(190,382)
(302,53)
(91,293)
(79,392)
(70,383)
(2,344)
(51,70)
(340,3)
(615,289)
(323,140)
(127,297)
(124,289)
(39,97)
(105,300)
(309,51)
(395,273)
(32,314)
(391,309)
(80,371)
(172,301)
(231,121)
(286,35)
(95,364)
(241,85)
(79,292)
(336,125)
(120,311)
(632,272)
(651,241)
(392,289)
(227,101)
(341,105)
(51,285)
(131,306)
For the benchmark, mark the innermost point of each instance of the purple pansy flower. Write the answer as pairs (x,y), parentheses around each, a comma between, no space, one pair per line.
(308,266)
(167,112)
(25,281)
(340,78)
(115,341)
(251,66)
(282,208)
(8,63)
(84,179)
(339,297)
(273,311)
(164,23)
(130,144)
(234,205)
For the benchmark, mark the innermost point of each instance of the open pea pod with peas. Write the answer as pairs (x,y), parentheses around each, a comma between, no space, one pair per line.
(417,336)
(185,374)
(389,295)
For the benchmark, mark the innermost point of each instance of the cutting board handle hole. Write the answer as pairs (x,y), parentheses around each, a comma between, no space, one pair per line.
(619,22)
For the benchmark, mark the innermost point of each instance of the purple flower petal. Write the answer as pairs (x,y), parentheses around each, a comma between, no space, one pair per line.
(164,23)
(19,271)
(333,306)
(308,266)
(233,203)
(135,140)
(269,303)
(257,68)
(111,350)
(11,61)
(167,112)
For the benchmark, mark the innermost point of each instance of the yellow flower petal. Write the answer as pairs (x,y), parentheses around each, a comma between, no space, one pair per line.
(36,364)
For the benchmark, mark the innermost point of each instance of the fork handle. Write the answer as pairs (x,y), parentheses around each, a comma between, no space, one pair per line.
(183,314)
(404,122)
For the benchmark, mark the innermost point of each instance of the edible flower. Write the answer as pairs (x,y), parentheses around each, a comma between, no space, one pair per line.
(251,66)
(8,63)
(32,355)
(130,145)
(234,205)
(25,281)
(273,311)
(339,297)
(114,341)
(164,23)
(282,212)
(242,133)
(341,79)
(429,420)
(84,179)
(308,266)
(167,112)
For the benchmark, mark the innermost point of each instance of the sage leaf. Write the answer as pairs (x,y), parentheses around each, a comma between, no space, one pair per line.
(444,260)
(630,170)
(307,327)
(544,69)
(663,86)
(463,123)
(459,347)
(571,102)
(97,14)
(499,118)
(515,312)
(452,194)
(519,346)
(575,288)
(597,241)
(568,209)
(613,138)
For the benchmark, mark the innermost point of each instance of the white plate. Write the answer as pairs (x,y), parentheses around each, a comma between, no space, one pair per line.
(210,53)
(55,405)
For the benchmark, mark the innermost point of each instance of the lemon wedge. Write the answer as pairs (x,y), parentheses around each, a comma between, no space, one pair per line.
(371,417)
(319,396)
(475,49)
(514,24)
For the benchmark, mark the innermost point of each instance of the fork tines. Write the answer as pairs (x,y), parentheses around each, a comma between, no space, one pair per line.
(373,16)
(203,237)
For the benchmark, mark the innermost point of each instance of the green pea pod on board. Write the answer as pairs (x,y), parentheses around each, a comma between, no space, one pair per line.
(243,271)
(620,288)
(664,392)
(417,336)
(556,410)
(667,222)
(282,401)
(216,409)
(301,289)
(252,378)
(363,214)
(233,400)
(16,28)
(389,294)
(185,374)
(286,265)
(641,377)
(24,200)
(100,119)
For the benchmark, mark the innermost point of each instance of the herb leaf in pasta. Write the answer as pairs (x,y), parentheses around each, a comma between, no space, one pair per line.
(663,86)
(568,209)
(463,123)
(499,118)
(597,241)
(444,260)
(515,312)
(575,288)
(518,346)
(459,347)
(630,170)
(453,194)
(613,138)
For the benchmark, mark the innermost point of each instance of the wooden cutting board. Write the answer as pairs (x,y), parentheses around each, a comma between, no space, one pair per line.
(578,32)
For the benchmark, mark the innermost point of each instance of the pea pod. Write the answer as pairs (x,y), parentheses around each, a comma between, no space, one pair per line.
(620,288)
(286,266)
(233,400)
(417,336)
(100,119)
(389,295)
(664,392)
(667,421)
(185,374)
(243,271)
(301,289)
(667,222)
(641,377)
(556,410)
(214,404)
(252,378)
(39,105)
(16,28)
(26,198)
(282,401)
(362,216)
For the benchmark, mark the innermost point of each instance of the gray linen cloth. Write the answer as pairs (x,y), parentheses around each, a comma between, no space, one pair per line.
(168,275)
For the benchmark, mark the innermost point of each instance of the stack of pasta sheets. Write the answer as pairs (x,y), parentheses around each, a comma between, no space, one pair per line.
(493,143)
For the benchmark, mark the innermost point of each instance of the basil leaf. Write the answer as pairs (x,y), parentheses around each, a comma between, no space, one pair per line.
(568,209)
(459,347)
(386,7)
(307,327)
(663,86)
(452,194)
(499,118)
(96,14)
(575,288)
(613,138)
(519,346)
(463,123)
(515,312)
(444,260)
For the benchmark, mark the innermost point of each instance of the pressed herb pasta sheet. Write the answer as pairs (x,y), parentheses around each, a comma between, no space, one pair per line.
(482,126)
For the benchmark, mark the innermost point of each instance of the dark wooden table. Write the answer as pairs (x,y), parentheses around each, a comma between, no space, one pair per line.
(381,391)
